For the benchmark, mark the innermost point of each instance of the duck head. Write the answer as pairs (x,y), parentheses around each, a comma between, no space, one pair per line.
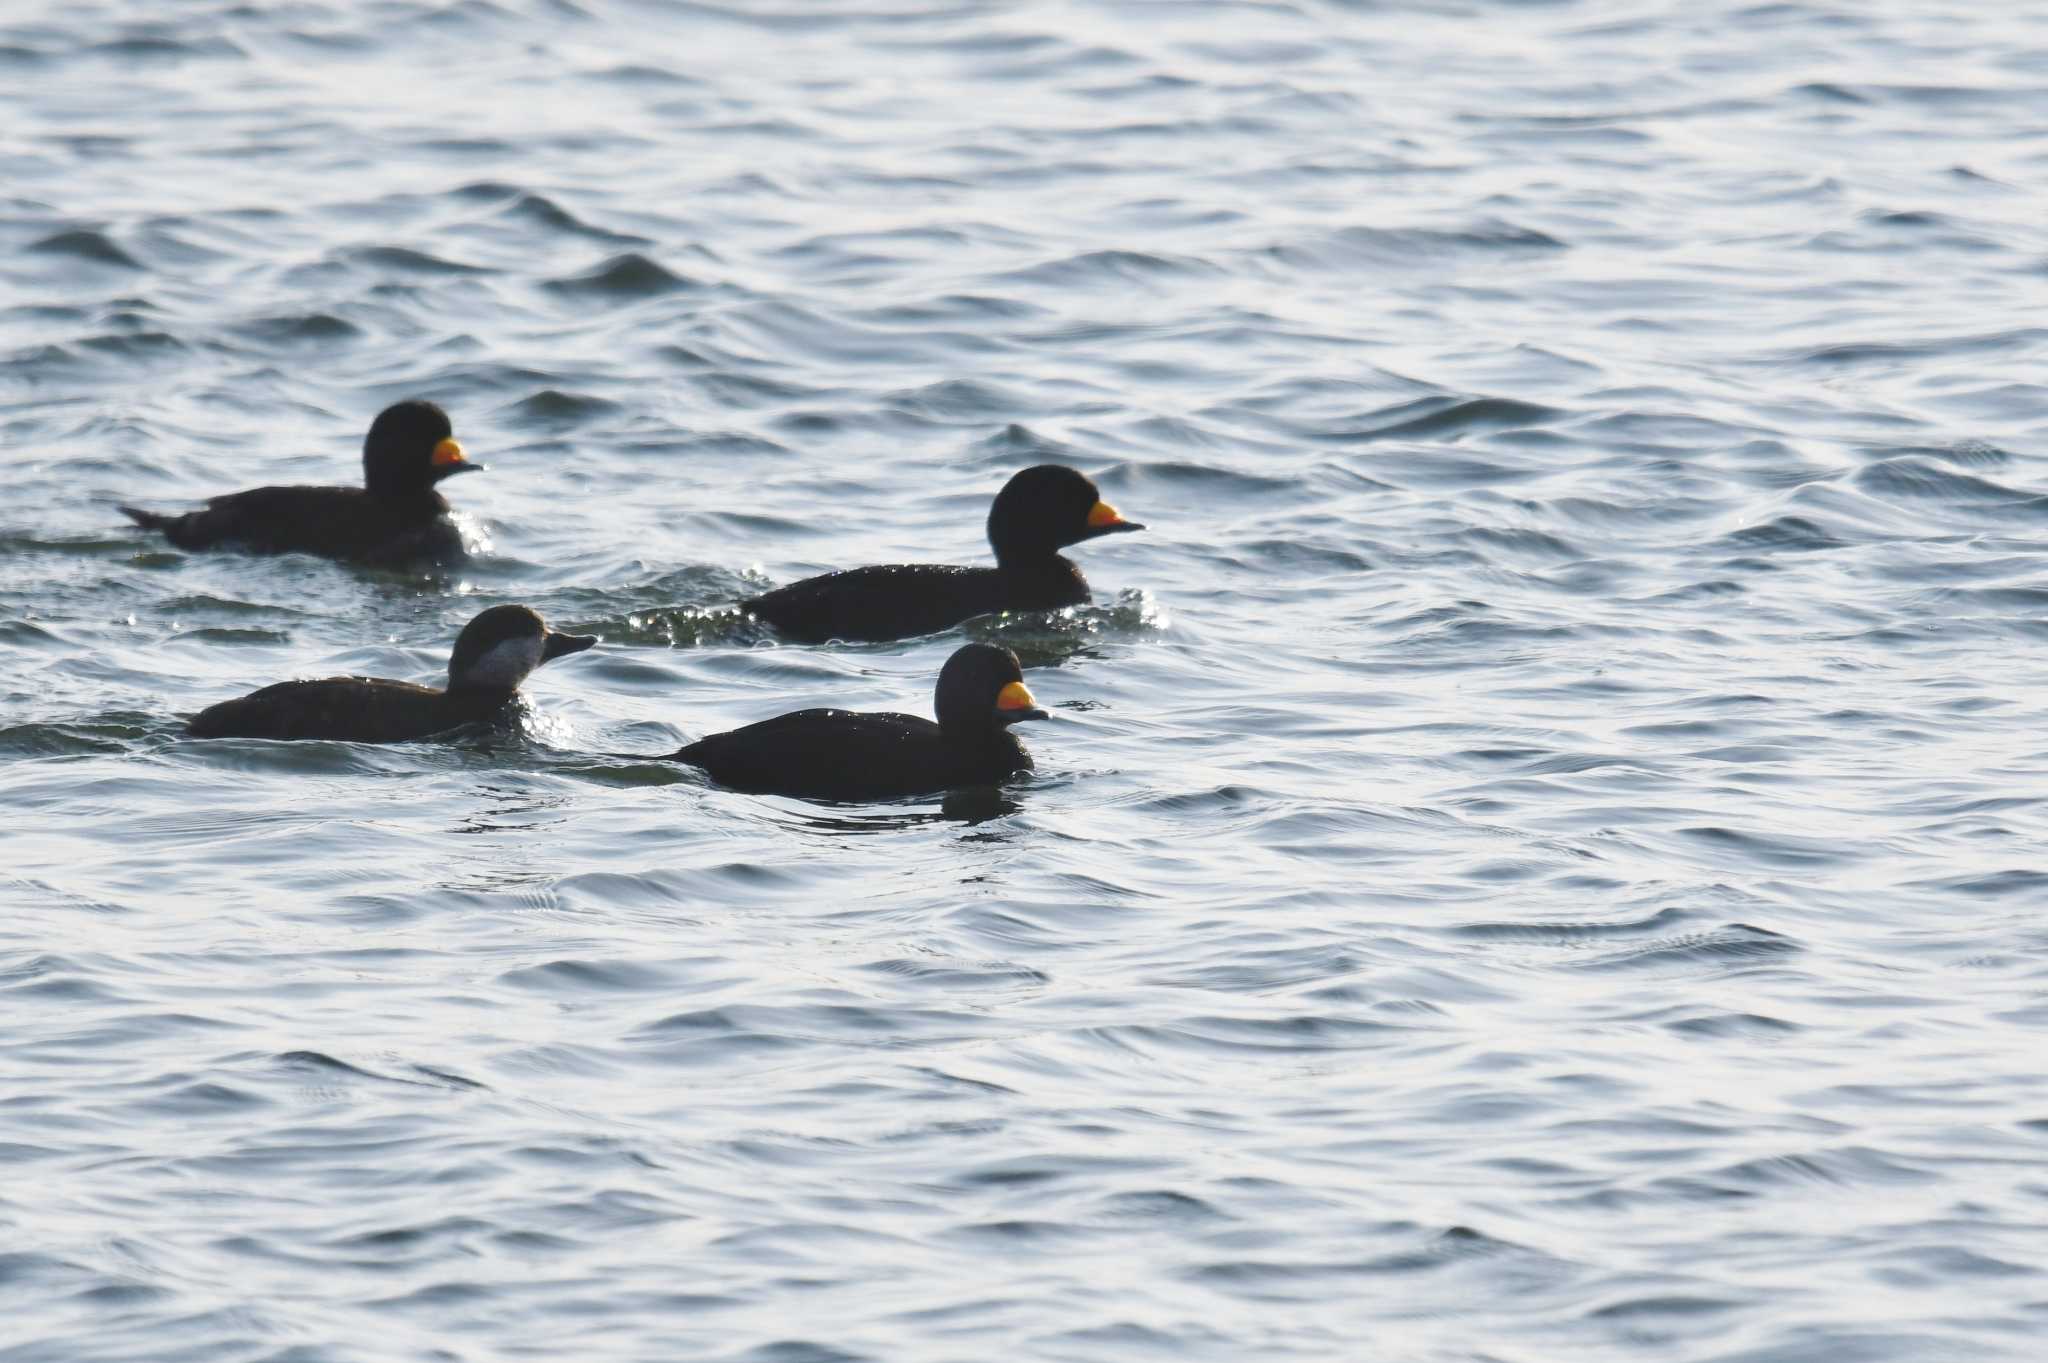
(499,648)
(411,446)
(1044,508)
(981,691)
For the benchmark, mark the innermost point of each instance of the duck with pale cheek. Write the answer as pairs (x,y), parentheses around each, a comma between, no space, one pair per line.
(846,755)
(494,653)
(395,517)
(1039,512)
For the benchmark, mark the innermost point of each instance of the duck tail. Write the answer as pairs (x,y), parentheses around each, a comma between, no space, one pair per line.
(148,520)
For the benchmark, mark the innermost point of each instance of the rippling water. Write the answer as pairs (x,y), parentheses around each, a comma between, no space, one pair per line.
(1540,850)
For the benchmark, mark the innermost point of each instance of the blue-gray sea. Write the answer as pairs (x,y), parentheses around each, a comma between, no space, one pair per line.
(1539,851)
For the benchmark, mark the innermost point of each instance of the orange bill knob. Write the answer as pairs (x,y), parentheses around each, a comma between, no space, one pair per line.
(447,453)
(1014,705)
(1102,516)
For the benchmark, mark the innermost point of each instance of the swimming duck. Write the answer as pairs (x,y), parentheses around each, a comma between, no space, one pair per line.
(845,755)
(1039,512)
(494,653)
(396,516)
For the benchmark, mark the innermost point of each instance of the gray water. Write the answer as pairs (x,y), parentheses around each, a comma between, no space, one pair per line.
(1539,851)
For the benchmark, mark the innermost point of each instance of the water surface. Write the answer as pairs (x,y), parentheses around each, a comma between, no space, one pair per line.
(1539,850)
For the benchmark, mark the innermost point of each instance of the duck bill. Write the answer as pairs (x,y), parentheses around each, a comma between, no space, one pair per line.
(449,460)
(1105,519)
(561,645)
(1015,702)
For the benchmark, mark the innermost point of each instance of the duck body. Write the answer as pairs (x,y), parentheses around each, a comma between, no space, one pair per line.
(495,652)
(901,600)
(1040,511)
(344,523)
(395,517)
(853,755)
(348,710)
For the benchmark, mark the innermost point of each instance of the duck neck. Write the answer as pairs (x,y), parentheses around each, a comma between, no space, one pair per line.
(1044,576)
(982,740)
(475,702)
(421,502)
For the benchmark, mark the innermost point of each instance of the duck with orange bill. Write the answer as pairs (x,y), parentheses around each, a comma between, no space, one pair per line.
(848,755)
(396,517)
(1040,511)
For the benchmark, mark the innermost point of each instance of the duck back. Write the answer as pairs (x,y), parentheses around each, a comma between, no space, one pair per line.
(902,600)
(345,709)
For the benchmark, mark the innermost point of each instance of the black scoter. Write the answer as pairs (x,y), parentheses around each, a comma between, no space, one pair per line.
(1039,512)
(493,654)
(843,755)
(395,517)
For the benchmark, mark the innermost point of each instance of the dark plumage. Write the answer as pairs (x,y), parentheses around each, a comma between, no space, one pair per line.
(841,755)
(493,654)
(396,516)
(1039,512)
